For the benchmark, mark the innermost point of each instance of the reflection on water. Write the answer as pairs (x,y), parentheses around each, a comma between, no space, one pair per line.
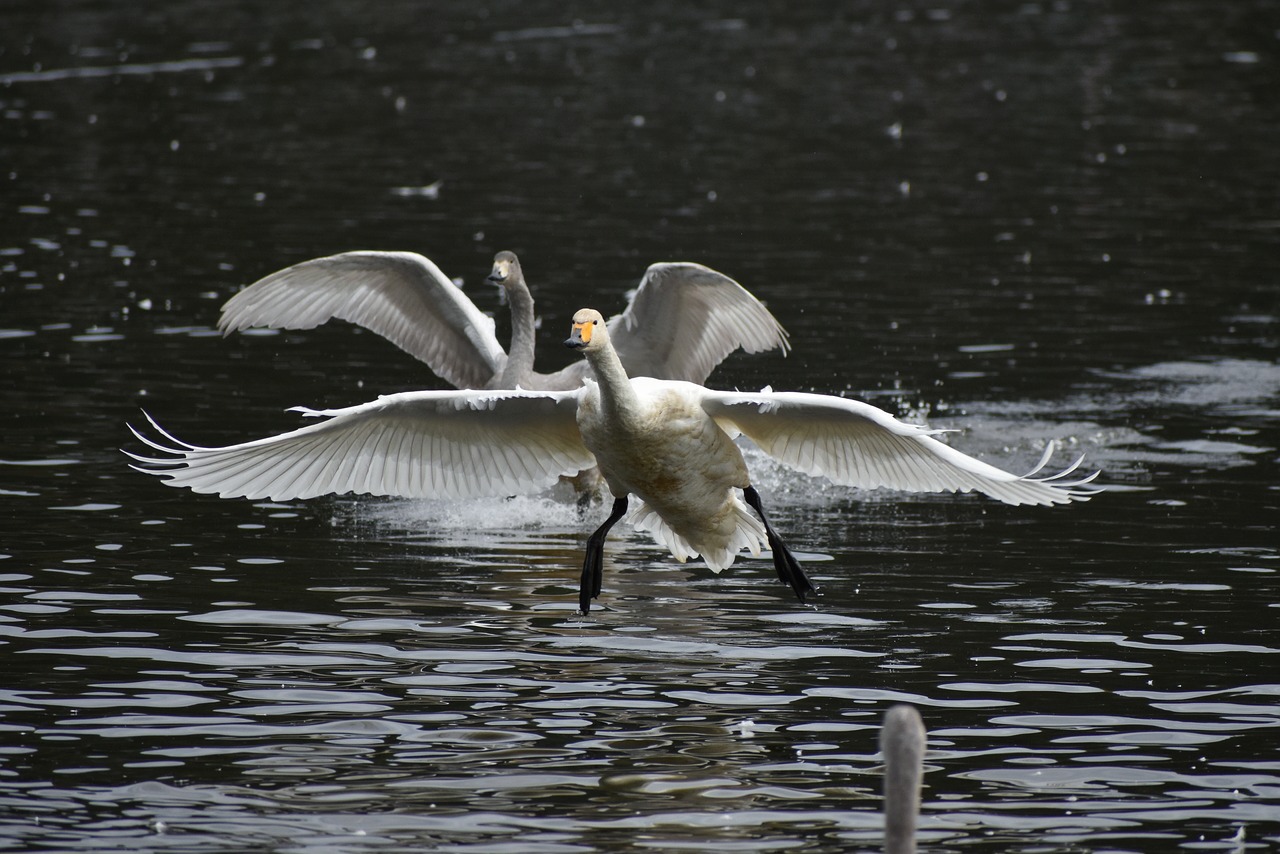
(1024,223)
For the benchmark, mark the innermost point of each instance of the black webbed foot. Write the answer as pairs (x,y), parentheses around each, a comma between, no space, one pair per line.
(593,560)
(788,568)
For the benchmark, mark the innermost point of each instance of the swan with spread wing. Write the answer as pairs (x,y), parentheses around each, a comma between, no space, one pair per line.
(669,443)
(681,322)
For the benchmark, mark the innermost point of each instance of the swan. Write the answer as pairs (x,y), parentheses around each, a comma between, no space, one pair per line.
(902,743)
(668,442)
(682,321)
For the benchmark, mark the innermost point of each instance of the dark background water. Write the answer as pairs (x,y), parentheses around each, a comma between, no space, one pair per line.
(1019,220)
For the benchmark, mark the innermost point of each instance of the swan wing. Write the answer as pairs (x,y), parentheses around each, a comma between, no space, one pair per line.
(685,318)
(402,296)
(436,444)
(855,444)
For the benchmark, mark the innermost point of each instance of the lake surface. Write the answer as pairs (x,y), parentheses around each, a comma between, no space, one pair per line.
(1020,221)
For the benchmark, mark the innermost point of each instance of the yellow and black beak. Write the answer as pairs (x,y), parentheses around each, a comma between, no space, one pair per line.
(580,335)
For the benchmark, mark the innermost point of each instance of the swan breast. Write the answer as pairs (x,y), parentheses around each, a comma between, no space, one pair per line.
(667,451)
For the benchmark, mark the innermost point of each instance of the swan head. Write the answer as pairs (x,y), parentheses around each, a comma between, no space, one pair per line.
(506,269)
(589,332)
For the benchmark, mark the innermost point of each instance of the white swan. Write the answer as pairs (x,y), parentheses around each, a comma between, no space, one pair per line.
(683,320)
(668,442)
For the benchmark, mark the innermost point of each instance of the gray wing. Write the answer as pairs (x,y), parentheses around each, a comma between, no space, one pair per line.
(425,444)
(402,296)
(681,323)
(855,444)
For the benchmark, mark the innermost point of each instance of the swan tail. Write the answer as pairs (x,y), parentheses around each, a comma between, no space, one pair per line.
(745,531)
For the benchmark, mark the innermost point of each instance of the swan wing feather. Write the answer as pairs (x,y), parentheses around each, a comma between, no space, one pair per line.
(684,319)
(402,296)
(856,444)
(425,444)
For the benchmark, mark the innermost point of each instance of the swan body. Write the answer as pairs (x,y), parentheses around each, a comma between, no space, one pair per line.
(681,322)
(669,452)
(668,442)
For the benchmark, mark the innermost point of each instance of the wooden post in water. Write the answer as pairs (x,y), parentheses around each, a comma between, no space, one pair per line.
(902,744)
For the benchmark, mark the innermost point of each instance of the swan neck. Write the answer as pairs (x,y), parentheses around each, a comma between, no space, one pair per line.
(902,740)
(615,386)
(520,355)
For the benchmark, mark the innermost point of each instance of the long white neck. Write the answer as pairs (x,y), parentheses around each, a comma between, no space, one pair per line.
(616,392)
(519,364)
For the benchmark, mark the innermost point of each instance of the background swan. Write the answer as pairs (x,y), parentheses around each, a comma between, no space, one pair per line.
(668,442)
(902,744)
(681,322)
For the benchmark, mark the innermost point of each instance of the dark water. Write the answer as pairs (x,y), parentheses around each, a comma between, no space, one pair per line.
(1020,220)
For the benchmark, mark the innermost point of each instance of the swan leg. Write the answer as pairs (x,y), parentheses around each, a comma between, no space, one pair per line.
(593,562)
(789,569)
(588,486)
